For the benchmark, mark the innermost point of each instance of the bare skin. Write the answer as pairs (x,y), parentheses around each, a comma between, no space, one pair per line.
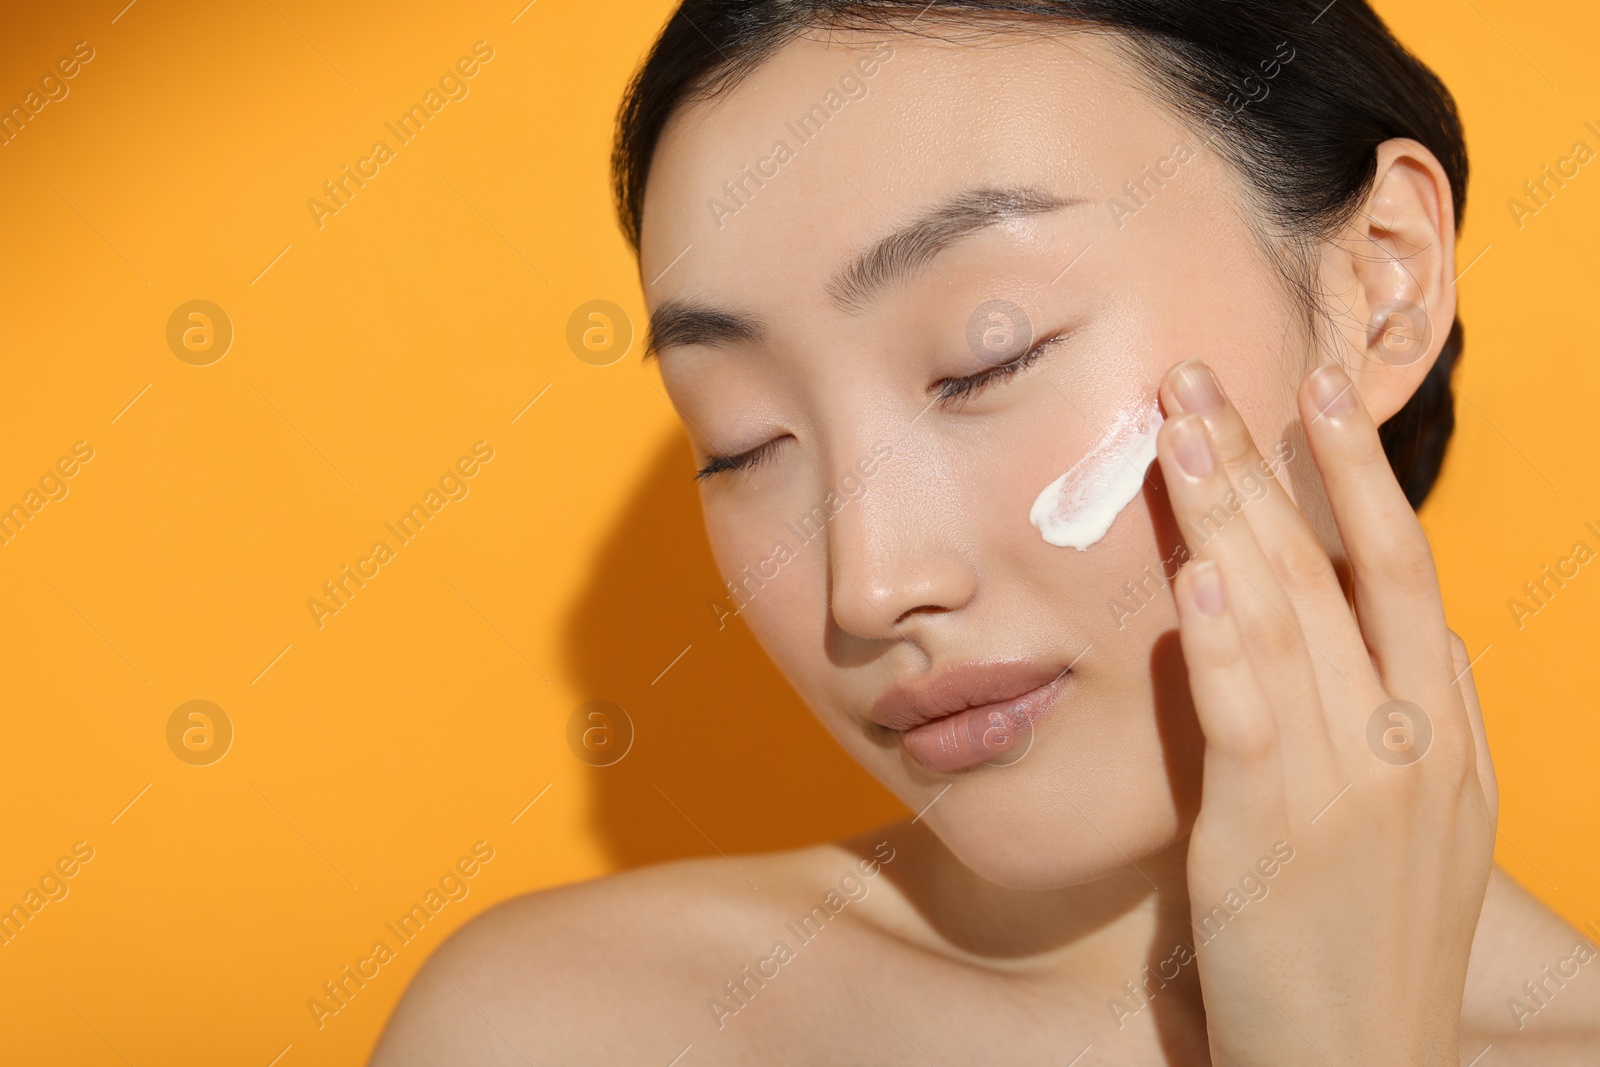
(621,971)
(1058,905)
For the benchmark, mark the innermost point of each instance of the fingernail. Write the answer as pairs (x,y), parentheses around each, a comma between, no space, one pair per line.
(1192,445)
(1331,390)
(1206,583)
(1196,388)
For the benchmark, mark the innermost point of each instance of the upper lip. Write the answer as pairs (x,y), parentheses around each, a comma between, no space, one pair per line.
(950,690)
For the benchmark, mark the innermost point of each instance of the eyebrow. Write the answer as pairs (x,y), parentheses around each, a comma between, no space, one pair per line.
(692,322)
(890,260)
(903,253)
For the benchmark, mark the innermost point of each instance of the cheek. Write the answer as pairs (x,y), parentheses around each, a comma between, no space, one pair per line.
(1261,380)
(1112,595)
(1080,414)
(773,579)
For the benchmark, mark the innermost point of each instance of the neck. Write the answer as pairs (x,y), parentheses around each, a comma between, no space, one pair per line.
(1134,915)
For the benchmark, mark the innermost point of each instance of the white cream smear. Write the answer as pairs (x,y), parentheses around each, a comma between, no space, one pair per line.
(1078,508)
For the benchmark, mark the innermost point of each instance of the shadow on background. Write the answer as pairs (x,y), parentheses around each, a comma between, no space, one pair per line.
(725,756)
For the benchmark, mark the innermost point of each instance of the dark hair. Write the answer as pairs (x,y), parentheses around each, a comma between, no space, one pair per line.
(1306,148)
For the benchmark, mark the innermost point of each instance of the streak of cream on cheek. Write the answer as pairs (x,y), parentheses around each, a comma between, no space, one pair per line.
(1078,508)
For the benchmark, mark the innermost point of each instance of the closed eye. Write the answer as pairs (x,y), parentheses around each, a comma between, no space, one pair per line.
(742,461)
(950,391)
(953,391)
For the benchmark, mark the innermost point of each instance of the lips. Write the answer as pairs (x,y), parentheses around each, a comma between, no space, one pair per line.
(970,714)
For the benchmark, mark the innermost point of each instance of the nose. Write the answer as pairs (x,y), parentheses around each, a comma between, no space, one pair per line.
(896,560)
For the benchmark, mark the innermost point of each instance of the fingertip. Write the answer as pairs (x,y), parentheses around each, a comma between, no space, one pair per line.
(1189,445)
(1337,422)
(1330,393)
(1196,389)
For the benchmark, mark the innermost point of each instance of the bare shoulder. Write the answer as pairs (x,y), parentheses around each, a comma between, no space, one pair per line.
(618,965)
(1533,984)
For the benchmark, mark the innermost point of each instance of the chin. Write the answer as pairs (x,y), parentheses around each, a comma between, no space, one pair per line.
(1061,816)
(1025,848)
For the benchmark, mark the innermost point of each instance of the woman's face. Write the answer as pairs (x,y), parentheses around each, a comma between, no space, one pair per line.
(1035,200)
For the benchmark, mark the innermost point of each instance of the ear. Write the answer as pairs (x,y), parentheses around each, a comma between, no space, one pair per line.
(1392,280)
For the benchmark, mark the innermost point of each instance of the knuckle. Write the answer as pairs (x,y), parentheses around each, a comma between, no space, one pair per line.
(1227,656)
(1231,439)
(1273,637)
(1304,567)
(1405,562)
(1248,738)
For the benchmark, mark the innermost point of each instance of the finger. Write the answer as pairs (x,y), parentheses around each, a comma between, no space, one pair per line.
(1270,632)
(1243,763)
(1396,588)
(1297,556)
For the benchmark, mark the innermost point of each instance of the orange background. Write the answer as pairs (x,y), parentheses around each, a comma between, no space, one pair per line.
(372,352)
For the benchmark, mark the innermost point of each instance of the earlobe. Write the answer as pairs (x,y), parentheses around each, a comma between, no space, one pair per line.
(1400,249)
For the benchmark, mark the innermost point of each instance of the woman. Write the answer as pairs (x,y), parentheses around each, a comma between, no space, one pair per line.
(1199,770)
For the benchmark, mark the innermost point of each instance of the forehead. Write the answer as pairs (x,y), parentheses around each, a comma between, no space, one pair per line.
(769,187)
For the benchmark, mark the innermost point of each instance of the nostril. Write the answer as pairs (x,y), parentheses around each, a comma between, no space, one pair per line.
(925,609)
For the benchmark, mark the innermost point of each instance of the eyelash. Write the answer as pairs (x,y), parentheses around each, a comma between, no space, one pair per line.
(743,461)
(957,389)
(960,389)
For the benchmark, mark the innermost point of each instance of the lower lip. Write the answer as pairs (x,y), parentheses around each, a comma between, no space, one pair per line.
(982,734)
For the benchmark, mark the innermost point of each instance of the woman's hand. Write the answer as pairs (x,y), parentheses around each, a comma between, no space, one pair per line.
(1339,859)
